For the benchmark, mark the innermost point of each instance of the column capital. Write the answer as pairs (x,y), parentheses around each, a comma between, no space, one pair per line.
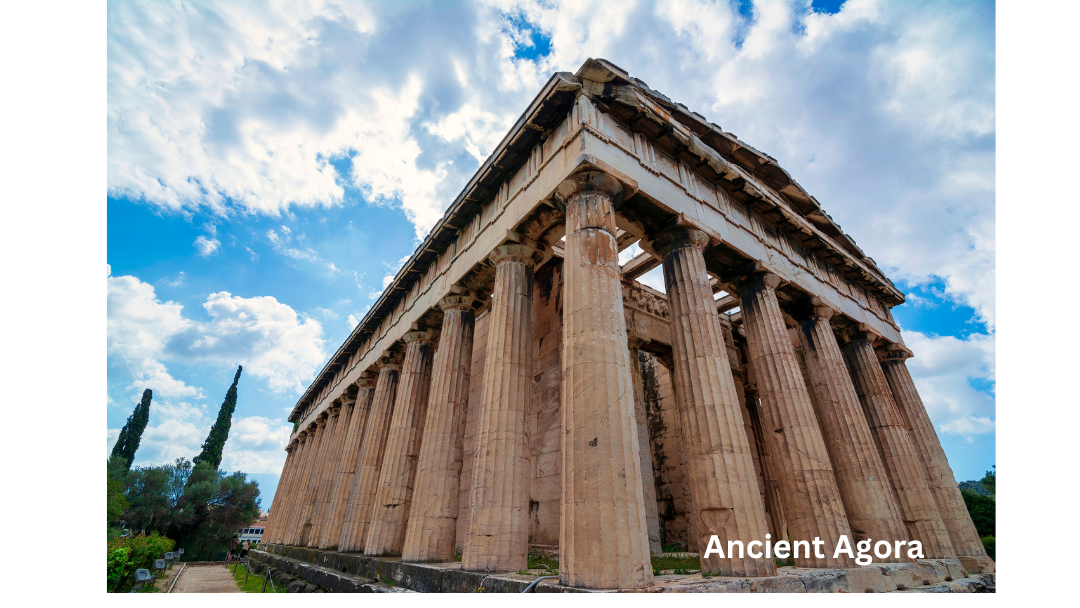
(418,333)
(594,180)
(302,437)
(860,332)
(292,446)
(452,301)
(894,353)
(390,360)
(367,380)
(514,251)
(321,422)
(681,234)
(335,410)
(815,309)
(756,274)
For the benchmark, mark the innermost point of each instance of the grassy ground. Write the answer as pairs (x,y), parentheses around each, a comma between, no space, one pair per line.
(254,581)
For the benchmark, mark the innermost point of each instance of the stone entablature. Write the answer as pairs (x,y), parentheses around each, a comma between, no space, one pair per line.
(734,445)
(585,134)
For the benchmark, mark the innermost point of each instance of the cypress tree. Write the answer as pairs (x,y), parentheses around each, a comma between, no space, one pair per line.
(131,434)
(219,433)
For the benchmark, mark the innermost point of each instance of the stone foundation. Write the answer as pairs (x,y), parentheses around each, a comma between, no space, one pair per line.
(355,573)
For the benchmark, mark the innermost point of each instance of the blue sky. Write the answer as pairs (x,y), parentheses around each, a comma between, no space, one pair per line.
(269,167)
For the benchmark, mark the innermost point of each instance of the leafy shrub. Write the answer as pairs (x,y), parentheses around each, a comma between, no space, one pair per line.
(988,544)
(126,555)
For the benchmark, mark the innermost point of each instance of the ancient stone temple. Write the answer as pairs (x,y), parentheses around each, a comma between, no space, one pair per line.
(516,389)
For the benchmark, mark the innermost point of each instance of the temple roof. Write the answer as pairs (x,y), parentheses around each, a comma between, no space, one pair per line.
(613,89)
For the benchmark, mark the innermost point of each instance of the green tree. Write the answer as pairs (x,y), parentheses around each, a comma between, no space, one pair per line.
(219,433)
(989,481)
(131,434)
(115,500)
(214,505)
(982,510)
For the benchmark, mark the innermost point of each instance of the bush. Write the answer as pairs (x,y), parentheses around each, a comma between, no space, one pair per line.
(988,544)
(126,555)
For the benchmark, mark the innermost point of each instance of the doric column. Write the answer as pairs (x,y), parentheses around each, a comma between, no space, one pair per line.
(812,505)
(393,496)
(648,479)
(303,484)
(723,485)
(335,429)
(279,493)
(864,484)
(323,434)
(498,520)
(350,453)
(603,536)
(433,518)
(917,505)
(365,481)
(939,476)
(770,491)
(285,510)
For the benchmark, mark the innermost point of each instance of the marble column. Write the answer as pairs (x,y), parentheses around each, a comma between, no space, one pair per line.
(315,436)
(603,536)
(369,464)
(770,491)
(939,476)
(335,429)
(723,484)
(434,513)
(917,504)
(497,537)
(648,478)
(350,453)
(393,495)
(812,505)
(864,484)
(323,434)
(285,509)
(279,494)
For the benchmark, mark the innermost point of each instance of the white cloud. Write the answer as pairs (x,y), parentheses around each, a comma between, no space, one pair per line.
(264,335)
(138,328)
(256,445)
(207,247)
(884,111)
(179,280)
(944,368)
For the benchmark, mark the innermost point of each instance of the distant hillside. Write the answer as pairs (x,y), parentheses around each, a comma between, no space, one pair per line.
(975,486)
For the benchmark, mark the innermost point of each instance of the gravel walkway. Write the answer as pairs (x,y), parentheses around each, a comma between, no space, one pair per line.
(214,578)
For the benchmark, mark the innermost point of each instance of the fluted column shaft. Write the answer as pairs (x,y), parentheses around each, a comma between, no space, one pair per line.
(917,505)
(864,484)
(303,485)
(497,537)
(323,434)
(939,476)
(350,452)
(366,479)
(723,484)
(335,429)
(393,496)
(279,493)
(812,505)
(433,518)
(603,537)
(290,491)
(648,479)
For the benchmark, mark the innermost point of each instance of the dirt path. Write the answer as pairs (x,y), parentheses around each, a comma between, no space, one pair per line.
(214,578)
